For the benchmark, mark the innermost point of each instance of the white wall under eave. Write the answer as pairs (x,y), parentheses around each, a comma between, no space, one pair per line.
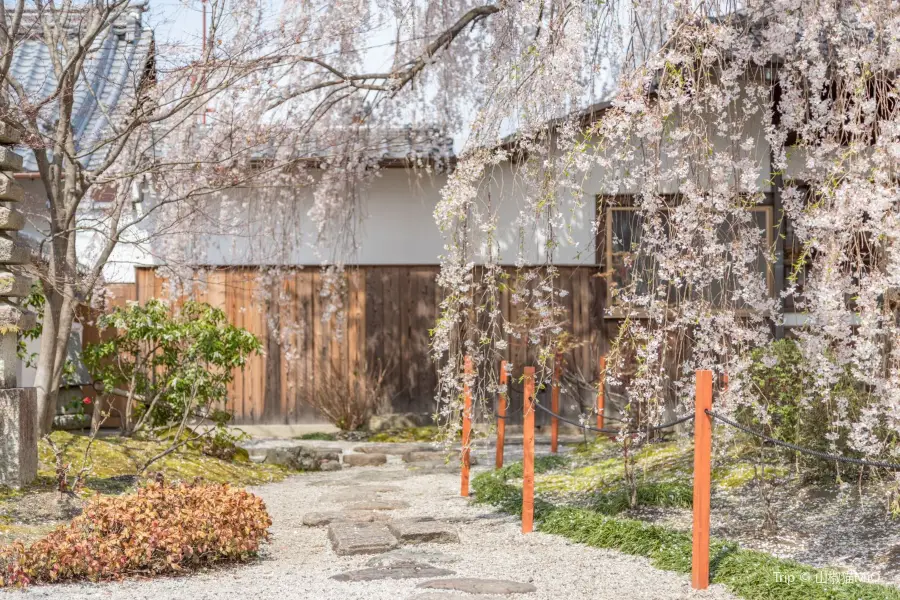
(267,226)
(131,250)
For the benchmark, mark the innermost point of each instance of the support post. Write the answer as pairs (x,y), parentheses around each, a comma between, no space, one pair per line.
(466,430)
(528,453)
(702,473)
(554,405)
(601,393)
(501,417)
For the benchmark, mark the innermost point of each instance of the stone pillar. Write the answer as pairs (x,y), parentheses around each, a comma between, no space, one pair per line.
(18,406)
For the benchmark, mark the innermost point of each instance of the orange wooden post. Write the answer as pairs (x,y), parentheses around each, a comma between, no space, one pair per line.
(528,453)
(501,417)
(601,393)
(702,473)
(466,429)
(554,405)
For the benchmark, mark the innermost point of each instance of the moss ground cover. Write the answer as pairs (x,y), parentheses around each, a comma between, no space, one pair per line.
(581,497)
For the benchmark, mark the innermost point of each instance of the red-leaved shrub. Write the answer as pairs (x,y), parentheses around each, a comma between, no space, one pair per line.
(159,529)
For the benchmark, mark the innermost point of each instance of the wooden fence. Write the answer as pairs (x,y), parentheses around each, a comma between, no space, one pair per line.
(383,324)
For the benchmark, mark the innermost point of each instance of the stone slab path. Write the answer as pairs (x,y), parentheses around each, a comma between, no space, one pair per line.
(401,533)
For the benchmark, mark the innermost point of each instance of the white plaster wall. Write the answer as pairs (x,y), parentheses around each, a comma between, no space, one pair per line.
(131,250)
(398,227)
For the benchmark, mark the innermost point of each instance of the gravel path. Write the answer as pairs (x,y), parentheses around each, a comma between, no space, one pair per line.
(299,561)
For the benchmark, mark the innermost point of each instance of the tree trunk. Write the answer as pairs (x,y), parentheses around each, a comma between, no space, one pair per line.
(59,314)
(57,323)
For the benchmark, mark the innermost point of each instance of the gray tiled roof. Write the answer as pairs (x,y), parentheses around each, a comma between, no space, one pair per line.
(110,84)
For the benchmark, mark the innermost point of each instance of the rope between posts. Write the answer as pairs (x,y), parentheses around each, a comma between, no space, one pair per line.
(615,431)
(818,454)
(521,390)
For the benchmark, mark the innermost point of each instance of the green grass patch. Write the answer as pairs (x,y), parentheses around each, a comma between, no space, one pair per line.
(747,573)
(596,467)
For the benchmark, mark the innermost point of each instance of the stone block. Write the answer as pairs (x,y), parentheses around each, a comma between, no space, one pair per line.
(11,219)
(360,538)
(12,250)
(399,570)
(417,531)
(297,457)
(392,448)
(14,285)
(13,318)
(405,554)
(18,436)
(9,134)
(10,191)
(391,421)
(364,460)
(9,361)
(9,160)
(320,519)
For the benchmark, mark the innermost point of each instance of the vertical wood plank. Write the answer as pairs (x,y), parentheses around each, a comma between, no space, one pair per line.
(501,417)
(287,300)
(235,400)
(375,320)
(306,296)
(320,345)
(355,377)
(406,279)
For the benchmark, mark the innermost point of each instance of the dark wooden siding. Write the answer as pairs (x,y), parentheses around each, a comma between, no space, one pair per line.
(386,317)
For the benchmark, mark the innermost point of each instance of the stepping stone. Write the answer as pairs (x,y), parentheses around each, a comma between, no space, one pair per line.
(407,554)
(365,460)
(360,538)
(392,448)
(319,519)
(479,586)
(399,570)
(410,531)
(429,456)
(378,505)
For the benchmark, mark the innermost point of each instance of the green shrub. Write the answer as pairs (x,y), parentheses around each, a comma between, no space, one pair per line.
(161,529)
(781,381)
(542,464)
(169,366)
